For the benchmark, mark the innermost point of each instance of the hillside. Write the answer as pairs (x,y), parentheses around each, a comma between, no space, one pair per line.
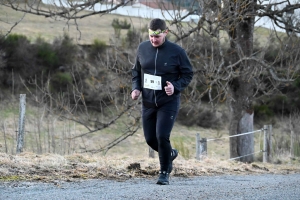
(49,135)
(84,32)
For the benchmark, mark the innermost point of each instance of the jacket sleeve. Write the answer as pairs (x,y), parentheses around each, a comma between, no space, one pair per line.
(185,73)
(136,75)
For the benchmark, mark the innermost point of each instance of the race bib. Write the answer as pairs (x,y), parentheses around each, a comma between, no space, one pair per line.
(152,82)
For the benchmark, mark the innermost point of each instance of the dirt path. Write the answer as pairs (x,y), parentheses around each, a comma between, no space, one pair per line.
(265,186)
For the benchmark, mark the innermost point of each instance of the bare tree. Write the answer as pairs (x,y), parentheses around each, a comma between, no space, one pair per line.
(240,74)
(111,96)
(228,65)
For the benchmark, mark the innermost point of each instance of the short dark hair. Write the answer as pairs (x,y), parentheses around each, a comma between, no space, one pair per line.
(157,24)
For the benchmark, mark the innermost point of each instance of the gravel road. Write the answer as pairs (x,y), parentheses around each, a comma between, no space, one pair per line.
(265,186)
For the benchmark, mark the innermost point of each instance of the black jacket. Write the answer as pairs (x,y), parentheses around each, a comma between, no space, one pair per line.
(168,61)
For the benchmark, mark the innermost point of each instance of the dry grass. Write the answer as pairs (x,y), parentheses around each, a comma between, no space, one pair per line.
(128,159)
(51,167)
(183,138)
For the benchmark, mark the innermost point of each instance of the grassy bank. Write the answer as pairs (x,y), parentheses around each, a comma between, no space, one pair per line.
(53,167)
(84,31)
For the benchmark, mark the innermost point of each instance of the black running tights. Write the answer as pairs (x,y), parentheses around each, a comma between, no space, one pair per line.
(157,124)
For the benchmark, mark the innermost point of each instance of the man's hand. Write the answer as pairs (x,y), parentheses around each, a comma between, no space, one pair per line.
(135,94)
(169,88)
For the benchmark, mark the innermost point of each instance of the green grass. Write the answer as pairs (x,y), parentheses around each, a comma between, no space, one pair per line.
(12,178)
(9,112)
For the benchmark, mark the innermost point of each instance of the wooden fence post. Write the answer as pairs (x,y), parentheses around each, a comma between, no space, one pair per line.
(292,144)
(20,139)
(265,148)
(201,147)
(269,147)
(4,132)
(198,146)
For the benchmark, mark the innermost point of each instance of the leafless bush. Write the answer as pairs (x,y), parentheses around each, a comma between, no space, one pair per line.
(295,134)
(2,61)
(287,140)
(97,101)
(203,116)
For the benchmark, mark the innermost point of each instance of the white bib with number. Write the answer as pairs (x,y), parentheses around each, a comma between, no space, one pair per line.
(152,82)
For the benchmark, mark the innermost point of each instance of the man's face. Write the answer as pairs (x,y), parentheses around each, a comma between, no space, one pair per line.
(157,37)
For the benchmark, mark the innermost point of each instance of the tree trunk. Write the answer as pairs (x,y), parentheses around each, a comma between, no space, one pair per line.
(242,122)
(241,88)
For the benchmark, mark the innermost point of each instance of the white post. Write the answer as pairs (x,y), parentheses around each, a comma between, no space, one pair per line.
(198,148)
(265,147)
(270,135)
(20,139)
(201,147)
(151,153)
(292,143)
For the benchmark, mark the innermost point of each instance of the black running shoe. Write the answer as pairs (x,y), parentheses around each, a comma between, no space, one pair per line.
(174,154)
(163,178)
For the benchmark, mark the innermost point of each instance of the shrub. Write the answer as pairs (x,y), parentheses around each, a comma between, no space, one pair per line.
(65,50)
(18,51)
(296,83)
(2,60)
(272,51)
(13,40)
(118,25)
(46,54)
(98,47)
(133,38)
(206,118)
(263,111)
(62,78)
(60,81)
(19,60)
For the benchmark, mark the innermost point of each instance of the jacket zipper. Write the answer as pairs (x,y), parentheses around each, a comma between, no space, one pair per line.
(155,75)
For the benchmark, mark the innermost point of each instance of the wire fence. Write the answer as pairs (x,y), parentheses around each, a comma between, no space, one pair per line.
(67,146)
(201,145)
(260,130)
